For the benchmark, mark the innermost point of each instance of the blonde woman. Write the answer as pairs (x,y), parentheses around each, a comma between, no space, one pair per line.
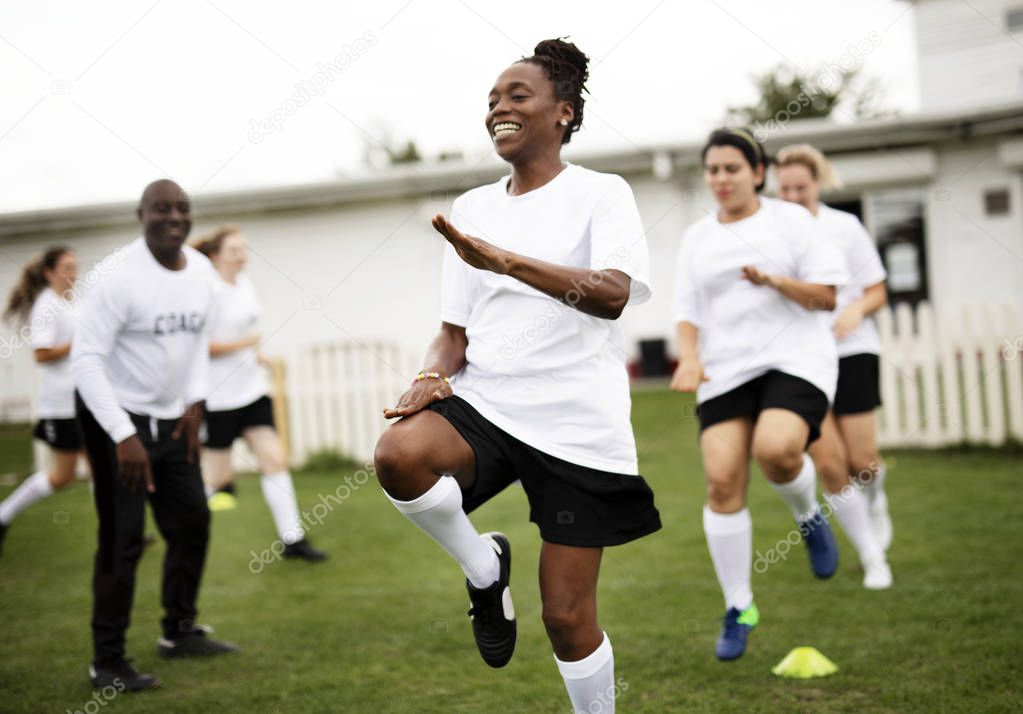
(41,302)
(847,454)
(238,404)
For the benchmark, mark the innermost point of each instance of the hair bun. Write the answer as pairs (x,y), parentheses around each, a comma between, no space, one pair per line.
(564,52)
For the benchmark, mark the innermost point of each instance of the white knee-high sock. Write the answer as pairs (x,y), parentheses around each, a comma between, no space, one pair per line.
(591,680)
(850,508)
(438,512)
(874,490)
(730,542)
(800,494)
(35,488)
(279,493)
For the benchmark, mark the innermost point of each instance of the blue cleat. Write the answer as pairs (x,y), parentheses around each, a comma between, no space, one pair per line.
(820,545)
(731,642)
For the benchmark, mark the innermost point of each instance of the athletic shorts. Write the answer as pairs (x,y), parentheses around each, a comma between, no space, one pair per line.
(859,387)
(773,390)
(60,434)
(222,428)
(571,504)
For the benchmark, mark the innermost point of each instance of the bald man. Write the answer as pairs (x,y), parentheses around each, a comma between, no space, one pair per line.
(139,361)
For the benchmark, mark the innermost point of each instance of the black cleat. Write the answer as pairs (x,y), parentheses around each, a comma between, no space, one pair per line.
(303,549)
(491,611)
(122,677)
(194,644)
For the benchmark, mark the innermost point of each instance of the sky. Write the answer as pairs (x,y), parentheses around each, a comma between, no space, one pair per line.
(102,97)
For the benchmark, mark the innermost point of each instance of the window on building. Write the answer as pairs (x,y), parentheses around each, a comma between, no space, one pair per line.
(897,223)
(1014,19)
(996,202)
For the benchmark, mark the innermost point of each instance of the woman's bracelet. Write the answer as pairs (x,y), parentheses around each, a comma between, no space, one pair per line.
(430,375)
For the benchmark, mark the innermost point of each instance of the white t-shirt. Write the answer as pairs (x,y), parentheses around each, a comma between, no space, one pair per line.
(865,269)
(746,330)
(546,373)
(236,378)
(52,324)
(141,341)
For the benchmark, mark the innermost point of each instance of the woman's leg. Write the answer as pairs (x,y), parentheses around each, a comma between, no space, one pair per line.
(582,651)
(859,433)
(779,440)
(216,469)
(422,463)
(725,450)
(844,494)
(277,485)
(40,485)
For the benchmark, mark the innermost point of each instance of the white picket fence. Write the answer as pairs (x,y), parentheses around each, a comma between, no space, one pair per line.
(952,376)
(946,378)
(336,393)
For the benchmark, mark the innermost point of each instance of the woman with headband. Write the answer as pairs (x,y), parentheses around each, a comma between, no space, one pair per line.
(752,282)
(847,450)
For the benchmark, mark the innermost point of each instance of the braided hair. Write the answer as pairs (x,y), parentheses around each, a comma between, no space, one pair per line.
(567,68)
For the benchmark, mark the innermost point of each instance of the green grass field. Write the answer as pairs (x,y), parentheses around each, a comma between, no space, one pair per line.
(381,627)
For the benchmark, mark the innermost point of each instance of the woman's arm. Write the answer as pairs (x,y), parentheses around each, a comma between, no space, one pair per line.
(446,357)
(601,293)
(689,373)
(222,348)
(52,354)
(874,298)
(811,296)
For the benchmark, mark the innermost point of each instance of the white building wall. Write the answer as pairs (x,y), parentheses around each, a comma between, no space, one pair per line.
(966,55)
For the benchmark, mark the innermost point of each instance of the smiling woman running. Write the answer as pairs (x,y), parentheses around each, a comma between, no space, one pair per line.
(752,344)
(554,252)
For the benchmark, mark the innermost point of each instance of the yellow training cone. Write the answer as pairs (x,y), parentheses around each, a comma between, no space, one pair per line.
(804,663)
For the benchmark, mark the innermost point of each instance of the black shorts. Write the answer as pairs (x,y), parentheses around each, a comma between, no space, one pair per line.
(222,428)
(859,390)
(773,390)
(571,504)
(60,434)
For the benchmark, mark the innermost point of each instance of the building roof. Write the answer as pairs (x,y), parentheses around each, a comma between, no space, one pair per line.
(425,179)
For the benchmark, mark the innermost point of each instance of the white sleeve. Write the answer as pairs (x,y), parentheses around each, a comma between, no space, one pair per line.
(43,324)
(687,294)
(617,240)
(819,259)
(197,382)
(455,305)
(865,266)
(101,317)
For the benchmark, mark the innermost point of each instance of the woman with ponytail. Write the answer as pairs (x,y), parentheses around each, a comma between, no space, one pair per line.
(526,379)
(41,305)
(846,454)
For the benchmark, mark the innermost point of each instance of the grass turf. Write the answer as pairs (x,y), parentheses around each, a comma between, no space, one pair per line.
(381,626)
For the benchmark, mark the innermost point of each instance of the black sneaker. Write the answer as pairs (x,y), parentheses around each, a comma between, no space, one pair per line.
(194,644)
(491,611)
(122,677)
(303,549)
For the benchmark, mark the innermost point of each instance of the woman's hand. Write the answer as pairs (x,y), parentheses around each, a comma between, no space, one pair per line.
(477,253)
(757,277)
(848,320)
(420,395)
(688,376)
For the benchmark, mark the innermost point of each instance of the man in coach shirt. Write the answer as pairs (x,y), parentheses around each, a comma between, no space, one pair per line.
(139,360)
